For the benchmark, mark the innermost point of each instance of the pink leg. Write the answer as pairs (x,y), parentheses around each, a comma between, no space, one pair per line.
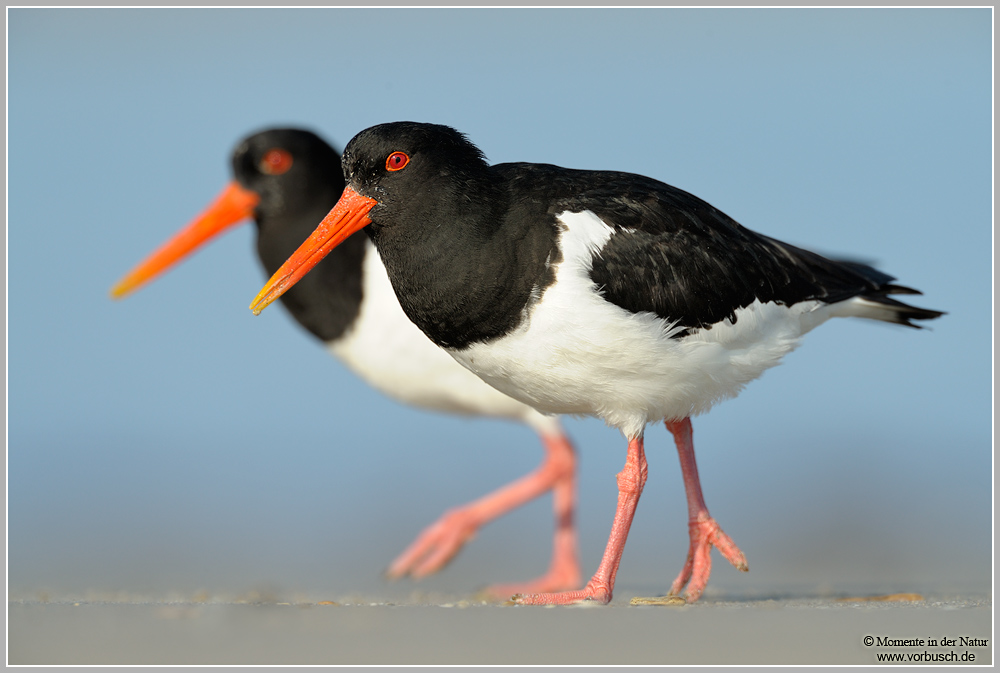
(630,482)
(443,539)
(705,532)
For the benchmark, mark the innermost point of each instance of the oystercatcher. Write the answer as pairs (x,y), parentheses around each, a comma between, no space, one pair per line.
(287,180)
(588,292)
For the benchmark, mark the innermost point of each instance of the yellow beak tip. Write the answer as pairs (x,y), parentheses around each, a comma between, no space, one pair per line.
(259,304)
(119,291)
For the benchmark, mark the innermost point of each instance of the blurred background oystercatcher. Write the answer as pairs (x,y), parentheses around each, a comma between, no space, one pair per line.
(286,180)
(588,292)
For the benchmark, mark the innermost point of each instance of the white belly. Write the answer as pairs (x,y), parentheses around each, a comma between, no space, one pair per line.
(390,353)
(579,354)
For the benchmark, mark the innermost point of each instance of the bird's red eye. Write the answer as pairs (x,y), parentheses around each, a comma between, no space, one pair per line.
(396,161)
(276,161)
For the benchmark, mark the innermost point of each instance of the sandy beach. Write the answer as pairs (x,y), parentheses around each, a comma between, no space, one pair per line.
(439,630)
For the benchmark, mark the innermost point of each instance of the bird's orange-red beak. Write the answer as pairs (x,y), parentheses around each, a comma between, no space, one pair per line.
(231,207)
(348,216)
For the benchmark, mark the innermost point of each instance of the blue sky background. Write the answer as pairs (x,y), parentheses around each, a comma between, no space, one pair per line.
(172,442)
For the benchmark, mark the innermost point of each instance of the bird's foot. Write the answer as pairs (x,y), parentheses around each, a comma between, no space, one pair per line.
(436,546)
(594,591)
(562,576)
(705,534)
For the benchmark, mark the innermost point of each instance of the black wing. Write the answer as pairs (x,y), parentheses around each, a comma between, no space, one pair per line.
(677,256)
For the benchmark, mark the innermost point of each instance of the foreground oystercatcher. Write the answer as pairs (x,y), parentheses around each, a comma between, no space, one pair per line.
(287,180)
(588,292)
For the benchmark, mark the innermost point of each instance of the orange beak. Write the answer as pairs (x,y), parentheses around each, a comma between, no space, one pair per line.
(348,216)
(234,205)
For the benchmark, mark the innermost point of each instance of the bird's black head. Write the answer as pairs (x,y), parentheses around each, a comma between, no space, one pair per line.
(412,168)
(285,179)
(290,170)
